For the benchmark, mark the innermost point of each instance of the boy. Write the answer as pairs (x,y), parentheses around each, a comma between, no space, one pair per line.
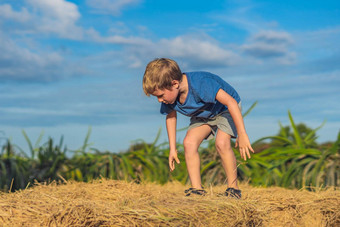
(214,107)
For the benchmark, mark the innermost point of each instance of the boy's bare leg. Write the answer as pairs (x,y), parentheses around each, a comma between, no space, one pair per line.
(192,141)
(228,158)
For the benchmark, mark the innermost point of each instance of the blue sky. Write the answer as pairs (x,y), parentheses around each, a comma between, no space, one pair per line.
(67,65)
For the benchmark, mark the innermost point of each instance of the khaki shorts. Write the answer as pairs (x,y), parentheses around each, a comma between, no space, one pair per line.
(222,121)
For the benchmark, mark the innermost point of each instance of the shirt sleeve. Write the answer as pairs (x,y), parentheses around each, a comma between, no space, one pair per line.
(166,109)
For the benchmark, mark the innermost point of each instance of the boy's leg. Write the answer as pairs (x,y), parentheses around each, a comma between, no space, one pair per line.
(228,158)
(192,141)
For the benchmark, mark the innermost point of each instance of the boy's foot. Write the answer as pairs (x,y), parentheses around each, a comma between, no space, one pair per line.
(195,191)
(233,193)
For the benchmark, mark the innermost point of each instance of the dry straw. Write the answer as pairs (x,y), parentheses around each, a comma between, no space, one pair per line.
(117,203)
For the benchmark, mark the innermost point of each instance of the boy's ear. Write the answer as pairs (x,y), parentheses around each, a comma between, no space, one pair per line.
(175,83)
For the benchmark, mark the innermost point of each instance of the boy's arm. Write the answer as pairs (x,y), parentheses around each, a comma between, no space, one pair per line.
(243,141)
(171,121)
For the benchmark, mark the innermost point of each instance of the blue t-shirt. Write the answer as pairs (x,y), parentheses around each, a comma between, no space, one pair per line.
(201,99)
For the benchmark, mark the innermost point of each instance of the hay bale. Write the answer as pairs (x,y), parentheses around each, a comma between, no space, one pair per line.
(117,203)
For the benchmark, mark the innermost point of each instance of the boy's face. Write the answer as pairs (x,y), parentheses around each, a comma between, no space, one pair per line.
(167,96)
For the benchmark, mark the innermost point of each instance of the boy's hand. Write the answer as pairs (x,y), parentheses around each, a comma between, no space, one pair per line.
(172,158)
(243,144)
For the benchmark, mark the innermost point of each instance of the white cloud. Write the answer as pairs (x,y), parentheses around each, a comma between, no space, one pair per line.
(243,15)
(327,41)
(57,16)
(273,37)
(22,59)
(190,51)
(93,35)
(18,63)
(59,9)
(39,112)
(119,28)
(7,12)
(193,51)
(40,16)
(113,7)
(264,50)
(271,45)
(60,17)
(199,50)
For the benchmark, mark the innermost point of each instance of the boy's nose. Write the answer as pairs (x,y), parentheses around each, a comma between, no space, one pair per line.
(160,100)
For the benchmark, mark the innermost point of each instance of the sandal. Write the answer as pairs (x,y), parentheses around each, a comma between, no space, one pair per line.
(233,193)
(195,191)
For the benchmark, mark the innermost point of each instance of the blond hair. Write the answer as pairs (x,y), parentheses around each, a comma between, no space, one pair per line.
(159,74)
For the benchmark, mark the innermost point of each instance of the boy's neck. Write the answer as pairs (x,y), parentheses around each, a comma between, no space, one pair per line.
(183,89)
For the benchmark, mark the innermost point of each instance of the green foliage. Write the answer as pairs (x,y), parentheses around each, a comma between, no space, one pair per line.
(292,159)
(301,135)
(13,168)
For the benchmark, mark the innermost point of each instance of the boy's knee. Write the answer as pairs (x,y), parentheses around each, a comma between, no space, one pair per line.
(190,144)
(222,145)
